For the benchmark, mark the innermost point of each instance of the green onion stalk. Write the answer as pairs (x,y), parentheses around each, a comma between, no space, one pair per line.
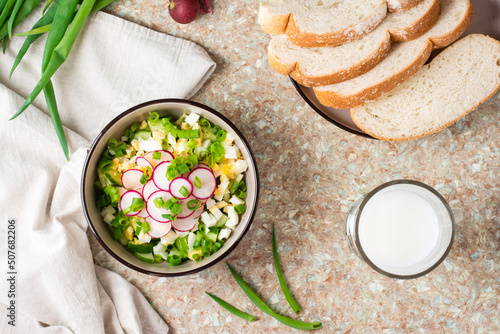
(266,309)
(232,309)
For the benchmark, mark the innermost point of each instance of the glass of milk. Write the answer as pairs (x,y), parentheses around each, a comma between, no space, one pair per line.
(402,229)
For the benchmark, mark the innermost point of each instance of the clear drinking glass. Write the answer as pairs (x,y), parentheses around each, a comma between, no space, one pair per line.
(402,229)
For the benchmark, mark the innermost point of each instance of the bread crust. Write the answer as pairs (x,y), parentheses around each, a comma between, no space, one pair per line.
(419,27)
(401,5)
(285,24)
(294,70)
(339,101)
(431,131)
(446,39)
(356,70)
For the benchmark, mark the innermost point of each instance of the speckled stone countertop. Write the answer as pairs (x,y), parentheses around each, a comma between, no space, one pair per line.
(311,173)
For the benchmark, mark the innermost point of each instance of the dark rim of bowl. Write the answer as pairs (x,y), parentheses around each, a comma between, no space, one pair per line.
(324,115)
(92,151)
(426,187)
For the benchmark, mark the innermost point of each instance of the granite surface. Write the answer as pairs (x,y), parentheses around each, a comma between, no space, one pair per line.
(311,173)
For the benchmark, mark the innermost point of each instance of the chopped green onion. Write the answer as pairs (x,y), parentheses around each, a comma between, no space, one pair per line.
(158,258)
(172,172)
(196,244)
(202,228)
(197,257)
(169,217)
(240,194)
(137,205)
(145,227)
(183,168)
(176,208)
(204,123)
(191,143)
(266,309)
(153,118)
(232,309)
(291,301)
(205,251)
(102,201)
(146,175)
(193,204)
(157,155)
(197,182)
(117,234)
(193,158)
(138,230)
(221,135)
(181,244)
(168,204)
(105,164)
(158,202)
(184,192)
(188,134)
(235,185)
(113,194)
(240,208)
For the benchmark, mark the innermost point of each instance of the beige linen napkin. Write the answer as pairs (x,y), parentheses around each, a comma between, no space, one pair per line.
(114,65)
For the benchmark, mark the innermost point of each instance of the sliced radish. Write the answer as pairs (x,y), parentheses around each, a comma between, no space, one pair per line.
(127,199)
(143,213)
(149,188)
(160,176)
(131,179)
(157,229)
(202,165)
(143,162)
(198,212)
(165,156)
(185,224)
(208,183)
(177,184)
(157,213)
(185,211)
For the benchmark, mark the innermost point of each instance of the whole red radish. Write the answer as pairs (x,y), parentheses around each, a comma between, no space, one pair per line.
(184,11)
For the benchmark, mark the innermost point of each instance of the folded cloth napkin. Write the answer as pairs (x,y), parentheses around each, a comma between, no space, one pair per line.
(114,65)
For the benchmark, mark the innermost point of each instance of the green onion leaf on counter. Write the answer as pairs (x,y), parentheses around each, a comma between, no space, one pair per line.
(266,309)
(291,301)
(232,309)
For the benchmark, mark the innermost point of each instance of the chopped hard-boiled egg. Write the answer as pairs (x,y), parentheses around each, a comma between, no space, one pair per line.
(216,212)
(210,202)
(233,217)
(149,145)
(169,238)
(208,219)
(192,119)
(229,139)
(240,166)
(143,238)
(129,233)
(236,200)
(224,233)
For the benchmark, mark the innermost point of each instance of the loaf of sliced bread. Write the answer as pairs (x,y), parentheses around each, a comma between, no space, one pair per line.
(321,23)
(332,64)
(403,60)
(454,83)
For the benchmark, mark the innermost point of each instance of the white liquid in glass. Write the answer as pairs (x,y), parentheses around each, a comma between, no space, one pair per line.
(398,229)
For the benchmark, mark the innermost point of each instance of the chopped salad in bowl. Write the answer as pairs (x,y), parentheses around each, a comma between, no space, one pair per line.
(171,188)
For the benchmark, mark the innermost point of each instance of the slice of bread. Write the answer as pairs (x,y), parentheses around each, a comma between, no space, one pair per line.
(404,60)
(453,84)
(321,23)
(400,5)
(332,64)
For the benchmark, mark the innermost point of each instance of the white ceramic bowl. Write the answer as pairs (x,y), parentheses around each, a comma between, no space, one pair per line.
(115,129)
